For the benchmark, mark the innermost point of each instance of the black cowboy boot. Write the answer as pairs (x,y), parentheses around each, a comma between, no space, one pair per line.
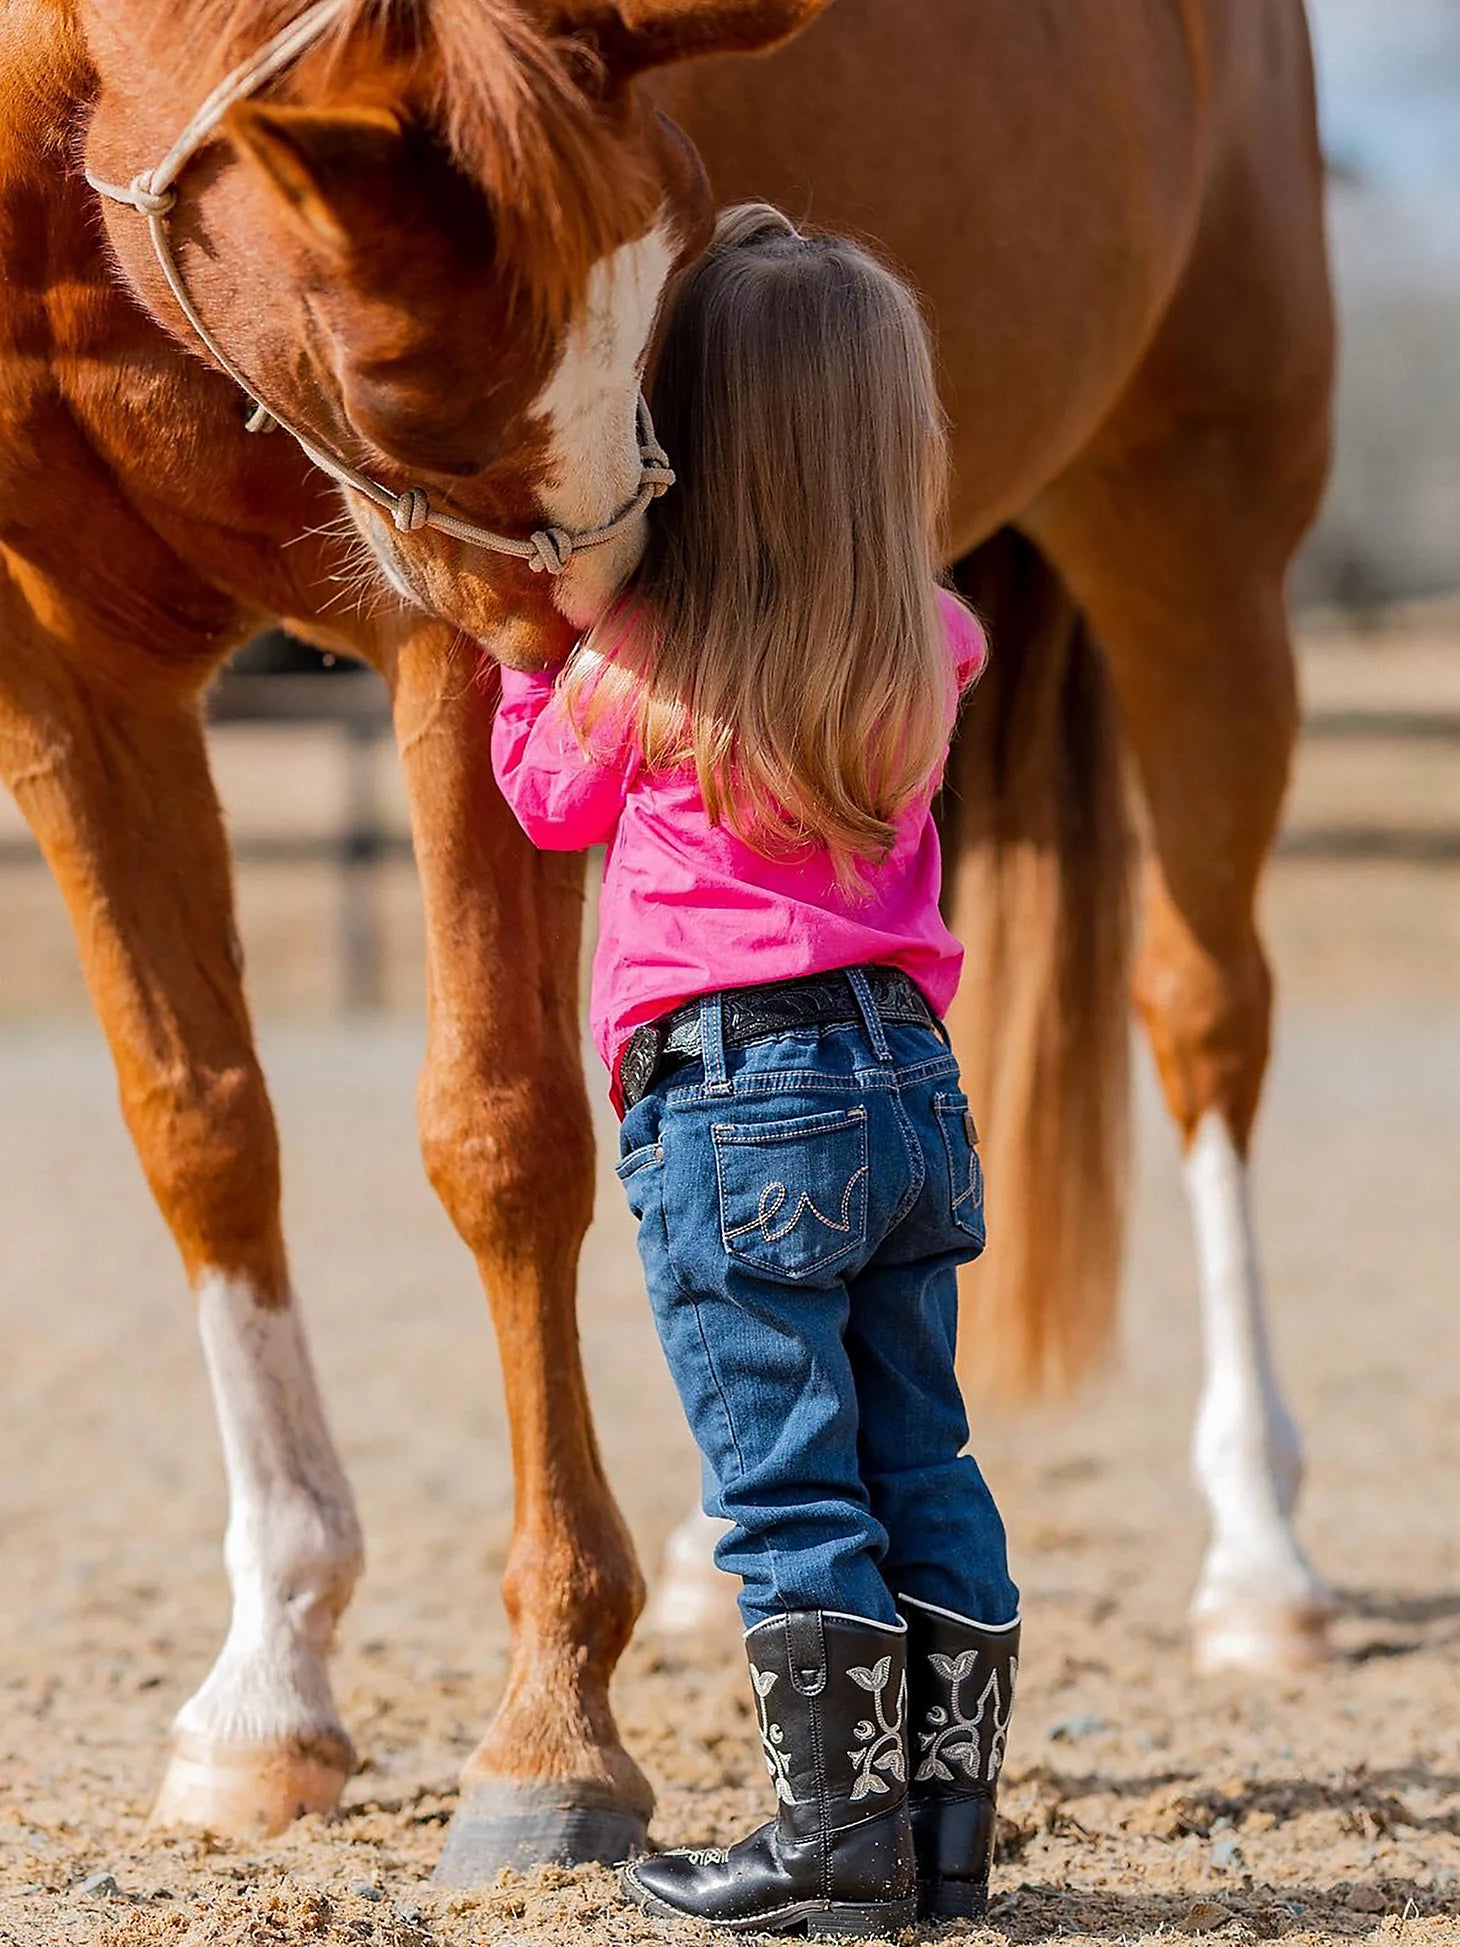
(960,1696)
(837,1858)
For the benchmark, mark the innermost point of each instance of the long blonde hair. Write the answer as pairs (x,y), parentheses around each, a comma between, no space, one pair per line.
(783,632)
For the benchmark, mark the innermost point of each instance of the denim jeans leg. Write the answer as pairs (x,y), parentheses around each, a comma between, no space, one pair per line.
(802,1207)
(759,1360)
(768,1392)
(946,1540)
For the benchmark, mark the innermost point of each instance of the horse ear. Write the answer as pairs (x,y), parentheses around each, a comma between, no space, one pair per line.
(320,162)
(634,35)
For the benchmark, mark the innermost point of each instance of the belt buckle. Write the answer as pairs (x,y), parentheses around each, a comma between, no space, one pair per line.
(640,1059)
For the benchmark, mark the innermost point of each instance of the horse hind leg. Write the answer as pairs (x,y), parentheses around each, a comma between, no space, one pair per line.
(1259,1603)
(1205,994)
(119,796)
(1161,556)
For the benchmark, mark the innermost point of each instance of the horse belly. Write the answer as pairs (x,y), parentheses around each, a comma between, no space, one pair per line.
(1037,177)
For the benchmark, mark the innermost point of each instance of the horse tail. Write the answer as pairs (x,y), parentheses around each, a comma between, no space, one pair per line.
(1037,884)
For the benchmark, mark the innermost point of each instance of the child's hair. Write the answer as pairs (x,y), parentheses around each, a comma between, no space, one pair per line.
(783,632)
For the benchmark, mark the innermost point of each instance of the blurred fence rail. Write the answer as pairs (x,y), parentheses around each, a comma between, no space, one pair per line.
(363,834)
(1363,841)
(353,704)
(356,703)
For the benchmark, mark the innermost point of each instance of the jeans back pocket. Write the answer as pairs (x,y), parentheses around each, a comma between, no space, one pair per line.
(793,1193)
(965,1172)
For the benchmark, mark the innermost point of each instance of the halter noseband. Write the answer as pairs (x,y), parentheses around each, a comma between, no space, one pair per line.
(153,194)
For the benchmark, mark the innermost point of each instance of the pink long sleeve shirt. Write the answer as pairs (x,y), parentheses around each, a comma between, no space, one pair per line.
(688,907)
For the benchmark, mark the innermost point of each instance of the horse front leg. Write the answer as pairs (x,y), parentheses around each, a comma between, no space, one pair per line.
(115,785)
(507,1141)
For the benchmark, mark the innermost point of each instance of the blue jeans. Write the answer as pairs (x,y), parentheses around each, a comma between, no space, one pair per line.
(803,1206)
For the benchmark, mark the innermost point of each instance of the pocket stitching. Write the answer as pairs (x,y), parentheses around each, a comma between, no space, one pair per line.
(747,1135)
(807,1202)
(757,1135)
(945,1107)
(628,1167)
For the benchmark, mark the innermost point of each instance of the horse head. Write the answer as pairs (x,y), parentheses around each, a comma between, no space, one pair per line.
(435,240)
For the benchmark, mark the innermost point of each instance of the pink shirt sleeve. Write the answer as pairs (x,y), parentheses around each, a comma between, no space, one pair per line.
(564,797)
(966,640)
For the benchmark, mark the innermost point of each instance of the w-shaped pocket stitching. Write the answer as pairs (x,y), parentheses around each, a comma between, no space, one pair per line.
(793,1194)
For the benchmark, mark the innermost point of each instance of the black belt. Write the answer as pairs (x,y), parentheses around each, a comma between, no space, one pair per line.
(752,1013)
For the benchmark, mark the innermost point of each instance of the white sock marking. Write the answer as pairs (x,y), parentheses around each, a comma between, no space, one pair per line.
(1246,1450)
(691,1593)
(293,1547)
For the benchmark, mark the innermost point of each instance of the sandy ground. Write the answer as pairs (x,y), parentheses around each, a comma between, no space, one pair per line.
(1141,1804)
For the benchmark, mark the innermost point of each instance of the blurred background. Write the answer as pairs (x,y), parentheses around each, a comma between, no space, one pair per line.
(1389,76)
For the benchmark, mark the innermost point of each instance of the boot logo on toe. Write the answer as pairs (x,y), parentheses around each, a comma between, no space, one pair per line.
(881,1747)
(777,1762)
(953,1737)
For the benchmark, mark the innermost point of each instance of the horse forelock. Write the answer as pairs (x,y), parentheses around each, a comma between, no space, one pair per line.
(520,111)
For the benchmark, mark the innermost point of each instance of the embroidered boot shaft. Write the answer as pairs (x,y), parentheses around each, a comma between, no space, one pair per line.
(961,1679)
(831,1700)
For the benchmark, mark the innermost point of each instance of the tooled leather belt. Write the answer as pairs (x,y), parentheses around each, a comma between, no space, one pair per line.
(751,1013)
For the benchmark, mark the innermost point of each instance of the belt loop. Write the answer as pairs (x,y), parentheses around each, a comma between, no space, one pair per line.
(871,1019)
(712,1043)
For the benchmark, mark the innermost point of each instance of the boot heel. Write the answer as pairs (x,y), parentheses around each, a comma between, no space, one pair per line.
(879,1922)
(953,1899)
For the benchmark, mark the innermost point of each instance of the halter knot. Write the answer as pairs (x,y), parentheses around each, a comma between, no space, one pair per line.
(411,510)
(552,550)
(656,475)
(150,201)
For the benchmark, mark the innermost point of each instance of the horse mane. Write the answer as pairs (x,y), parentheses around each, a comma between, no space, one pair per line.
(520,111)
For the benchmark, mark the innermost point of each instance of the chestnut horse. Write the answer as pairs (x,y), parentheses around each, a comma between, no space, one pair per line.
(432,237)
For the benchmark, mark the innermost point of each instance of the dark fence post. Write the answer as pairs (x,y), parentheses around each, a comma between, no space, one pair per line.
(361,850)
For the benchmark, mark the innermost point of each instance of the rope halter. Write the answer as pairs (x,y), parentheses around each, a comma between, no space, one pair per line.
(153,194)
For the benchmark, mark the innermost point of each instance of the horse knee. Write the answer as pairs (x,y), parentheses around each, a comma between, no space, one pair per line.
(510,1162)
(208,1145)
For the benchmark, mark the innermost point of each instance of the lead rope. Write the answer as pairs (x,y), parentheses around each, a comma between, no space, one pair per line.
(153,194)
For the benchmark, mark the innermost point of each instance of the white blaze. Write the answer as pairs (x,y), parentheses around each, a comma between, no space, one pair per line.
(293,1546)
(590,405)
(1246,1449)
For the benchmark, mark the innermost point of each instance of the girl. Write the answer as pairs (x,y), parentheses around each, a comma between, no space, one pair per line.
(756,731)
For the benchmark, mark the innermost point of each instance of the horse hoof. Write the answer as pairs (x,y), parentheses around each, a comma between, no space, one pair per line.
(1263,1640)
(246,1792)
(521,1826)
